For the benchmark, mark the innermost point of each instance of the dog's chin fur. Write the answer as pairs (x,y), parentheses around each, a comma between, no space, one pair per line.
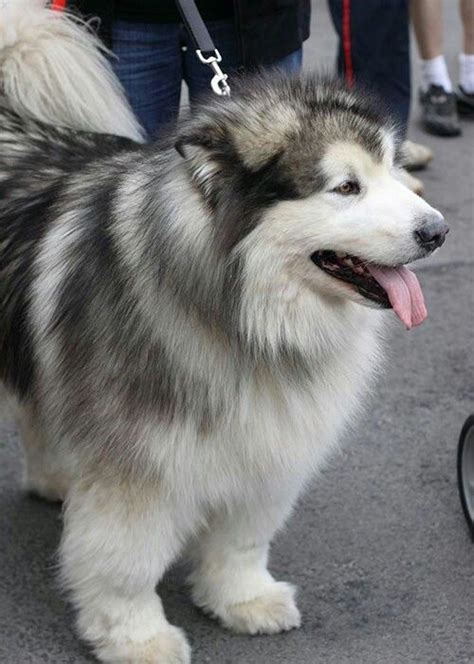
(181,366)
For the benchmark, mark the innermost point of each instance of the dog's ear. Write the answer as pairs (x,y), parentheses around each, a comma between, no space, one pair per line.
(260,137)
(205,137)
(206,148)
(215,147)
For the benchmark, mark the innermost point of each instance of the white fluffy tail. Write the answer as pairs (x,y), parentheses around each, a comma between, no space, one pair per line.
(55,69)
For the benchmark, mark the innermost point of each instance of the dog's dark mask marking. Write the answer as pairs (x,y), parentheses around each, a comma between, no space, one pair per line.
(226,169)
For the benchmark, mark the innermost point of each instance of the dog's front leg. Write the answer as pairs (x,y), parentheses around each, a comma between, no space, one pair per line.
(231,580)
(118,540)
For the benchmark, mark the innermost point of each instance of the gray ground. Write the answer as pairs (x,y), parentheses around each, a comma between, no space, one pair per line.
(378,546)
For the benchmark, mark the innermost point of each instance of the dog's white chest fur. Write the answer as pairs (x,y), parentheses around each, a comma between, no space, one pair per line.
(273,433)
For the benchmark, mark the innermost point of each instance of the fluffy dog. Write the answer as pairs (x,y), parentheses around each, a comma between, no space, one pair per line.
(188,326)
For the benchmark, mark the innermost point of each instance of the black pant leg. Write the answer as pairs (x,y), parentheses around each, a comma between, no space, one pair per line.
(374,43)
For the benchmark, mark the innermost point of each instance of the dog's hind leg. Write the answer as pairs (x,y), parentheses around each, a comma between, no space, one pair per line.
(231,580)
(49,468)
(118,540)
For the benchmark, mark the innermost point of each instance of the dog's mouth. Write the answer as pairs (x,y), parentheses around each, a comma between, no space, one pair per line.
(389,287)
(353,271)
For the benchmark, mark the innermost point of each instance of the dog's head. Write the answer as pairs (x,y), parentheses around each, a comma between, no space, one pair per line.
(301,177)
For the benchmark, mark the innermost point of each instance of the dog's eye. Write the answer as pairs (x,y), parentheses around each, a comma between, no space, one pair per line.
(347,188)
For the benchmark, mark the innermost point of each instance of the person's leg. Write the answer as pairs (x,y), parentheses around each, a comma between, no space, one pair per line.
(374,50)
(148,64)
(292,63)
(467,17)
(465,93)
(427,19)
(438,104)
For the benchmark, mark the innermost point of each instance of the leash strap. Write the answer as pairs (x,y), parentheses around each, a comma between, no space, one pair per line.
(205,49)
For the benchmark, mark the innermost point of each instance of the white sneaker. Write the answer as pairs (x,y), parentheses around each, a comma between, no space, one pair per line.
(409,181)
(415,156)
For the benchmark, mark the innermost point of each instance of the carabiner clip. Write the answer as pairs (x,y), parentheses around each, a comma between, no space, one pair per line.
(219,83)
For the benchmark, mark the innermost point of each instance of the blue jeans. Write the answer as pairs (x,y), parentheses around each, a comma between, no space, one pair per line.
(152,60)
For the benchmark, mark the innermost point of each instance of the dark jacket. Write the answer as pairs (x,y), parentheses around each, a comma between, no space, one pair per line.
(268,30)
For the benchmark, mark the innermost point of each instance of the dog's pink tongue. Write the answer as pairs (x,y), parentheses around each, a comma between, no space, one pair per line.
(404,292)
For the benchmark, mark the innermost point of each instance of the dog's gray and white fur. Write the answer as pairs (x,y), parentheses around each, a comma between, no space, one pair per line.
(181,366)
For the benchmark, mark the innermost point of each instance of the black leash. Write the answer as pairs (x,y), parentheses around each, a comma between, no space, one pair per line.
(205,49)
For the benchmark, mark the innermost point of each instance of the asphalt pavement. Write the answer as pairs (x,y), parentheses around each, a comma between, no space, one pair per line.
(378,545)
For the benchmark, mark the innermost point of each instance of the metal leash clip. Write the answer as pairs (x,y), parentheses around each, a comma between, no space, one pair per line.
(219,83)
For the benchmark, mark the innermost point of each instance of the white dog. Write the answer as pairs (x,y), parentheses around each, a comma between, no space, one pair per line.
(187,327)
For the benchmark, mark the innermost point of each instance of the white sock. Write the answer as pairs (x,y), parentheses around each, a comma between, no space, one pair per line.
(435,72)
(466,73)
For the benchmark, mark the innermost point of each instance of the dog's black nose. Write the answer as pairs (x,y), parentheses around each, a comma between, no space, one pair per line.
(432,231)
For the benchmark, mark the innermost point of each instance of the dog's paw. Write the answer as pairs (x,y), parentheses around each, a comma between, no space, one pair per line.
(169,646)
(271,612)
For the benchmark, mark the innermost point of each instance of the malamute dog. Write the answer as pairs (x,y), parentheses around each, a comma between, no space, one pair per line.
(188,326)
